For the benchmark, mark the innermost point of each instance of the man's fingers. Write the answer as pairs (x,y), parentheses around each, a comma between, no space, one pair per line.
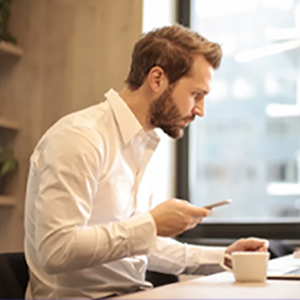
(197,220)
(254,244)
(264,248)
(261,244)
(199,212)
(192,225)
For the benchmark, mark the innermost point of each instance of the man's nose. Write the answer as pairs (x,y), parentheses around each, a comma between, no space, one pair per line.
(198,109)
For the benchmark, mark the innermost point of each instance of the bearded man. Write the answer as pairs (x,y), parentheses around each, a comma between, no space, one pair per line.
(91,230)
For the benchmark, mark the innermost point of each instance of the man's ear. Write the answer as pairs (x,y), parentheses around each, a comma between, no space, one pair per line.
(157,79)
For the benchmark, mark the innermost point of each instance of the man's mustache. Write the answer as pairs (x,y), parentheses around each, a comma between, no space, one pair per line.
(189,119)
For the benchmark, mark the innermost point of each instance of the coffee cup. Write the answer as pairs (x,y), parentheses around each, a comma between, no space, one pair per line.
(248,266)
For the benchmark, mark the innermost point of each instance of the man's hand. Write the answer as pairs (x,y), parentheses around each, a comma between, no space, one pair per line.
(250,244)
(174,216)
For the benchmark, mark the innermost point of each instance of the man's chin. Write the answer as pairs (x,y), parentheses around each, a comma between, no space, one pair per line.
(175,134)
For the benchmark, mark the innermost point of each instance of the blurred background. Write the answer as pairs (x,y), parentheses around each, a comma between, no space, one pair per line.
(60,56)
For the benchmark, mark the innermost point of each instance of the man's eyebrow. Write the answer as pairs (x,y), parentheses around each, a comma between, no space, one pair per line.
(201,90)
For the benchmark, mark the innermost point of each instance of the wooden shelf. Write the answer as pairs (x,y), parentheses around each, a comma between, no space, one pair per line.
(8,124)
(7,201)
(9,48)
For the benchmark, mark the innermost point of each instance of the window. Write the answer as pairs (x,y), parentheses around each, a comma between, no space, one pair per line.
(247,147)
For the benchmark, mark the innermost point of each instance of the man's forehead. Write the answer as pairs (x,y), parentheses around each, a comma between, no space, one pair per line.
(201,75)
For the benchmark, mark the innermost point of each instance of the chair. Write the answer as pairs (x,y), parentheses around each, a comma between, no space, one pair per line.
(278,248)
(158,279)
(14,275)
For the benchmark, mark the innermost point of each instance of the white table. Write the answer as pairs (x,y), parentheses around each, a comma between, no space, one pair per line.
(223,286)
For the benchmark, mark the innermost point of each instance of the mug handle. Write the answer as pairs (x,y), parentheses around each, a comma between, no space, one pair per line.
(228,256)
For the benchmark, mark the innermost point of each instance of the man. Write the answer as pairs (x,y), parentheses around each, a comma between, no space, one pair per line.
(90,229)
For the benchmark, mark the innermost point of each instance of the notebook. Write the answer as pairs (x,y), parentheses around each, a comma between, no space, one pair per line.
(291,273)
(287,269)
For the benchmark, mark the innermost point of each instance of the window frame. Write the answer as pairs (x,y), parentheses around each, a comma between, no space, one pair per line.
(285,230)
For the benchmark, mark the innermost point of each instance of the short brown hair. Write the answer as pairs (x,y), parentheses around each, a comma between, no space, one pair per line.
(173,48)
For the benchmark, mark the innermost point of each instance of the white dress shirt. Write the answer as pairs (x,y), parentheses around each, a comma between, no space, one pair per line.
(88,232)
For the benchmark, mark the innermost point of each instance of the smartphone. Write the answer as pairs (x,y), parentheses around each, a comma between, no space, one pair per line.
(223,202)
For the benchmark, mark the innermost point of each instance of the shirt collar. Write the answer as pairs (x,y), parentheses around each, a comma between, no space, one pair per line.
(127,122)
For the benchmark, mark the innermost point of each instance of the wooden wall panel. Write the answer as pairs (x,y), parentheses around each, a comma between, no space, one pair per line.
(74,51)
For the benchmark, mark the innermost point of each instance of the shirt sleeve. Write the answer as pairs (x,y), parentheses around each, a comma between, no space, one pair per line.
(68,168)
(173,257)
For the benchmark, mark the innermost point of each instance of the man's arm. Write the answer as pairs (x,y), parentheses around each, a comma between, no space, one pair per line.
(172,257)
(69,168)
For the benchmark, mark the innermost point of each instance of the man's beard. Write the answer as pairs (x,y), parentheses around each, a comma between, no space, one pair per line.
(164,114)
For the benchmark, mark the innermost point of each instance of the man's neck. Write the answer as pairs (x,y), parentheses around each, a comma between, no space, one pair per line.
(138,101)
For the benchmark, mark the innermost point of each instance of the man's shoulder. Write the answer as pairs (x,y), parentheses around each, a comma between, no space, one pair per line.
(88,119)
(89,124)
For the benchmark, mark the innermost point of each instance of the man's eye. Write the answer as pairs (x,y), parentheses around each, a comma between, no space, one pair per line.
(197,95)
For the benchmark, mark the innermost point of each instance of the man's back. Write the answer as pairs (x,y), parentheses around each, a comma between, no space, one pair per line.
(84,174)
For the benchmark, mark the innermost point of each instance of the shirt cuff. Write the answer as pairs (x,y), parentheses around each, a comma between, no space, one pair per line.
(213,255)
(143,233)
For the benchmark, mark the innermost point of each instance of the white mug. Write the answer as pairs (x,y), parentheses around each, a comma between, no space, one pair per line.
(248,266)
